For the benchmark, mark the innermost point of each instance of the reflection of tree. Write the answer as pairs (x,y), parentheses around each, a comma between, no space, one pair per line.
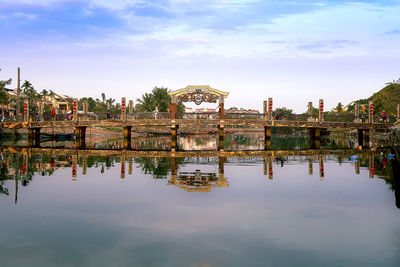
(158,167)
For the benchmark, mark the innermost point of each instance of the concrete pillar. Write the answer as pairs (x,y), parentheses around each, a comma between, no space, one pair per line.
(221,137)
(270,170)
(357,112)
(366,138)
(321,110)
(80,136)
(130,109)
(371,111)
(221,166)
(310,110)
(360,135)
(75,110)
(84,165)
(123,108)
(357,166)
(221,108)
(130,166)
(310,166)
(267,137)
(33,137)
(321,167)
(127,137)
(315,138)
(265,110)
(174,108)
(270,109)
(371,165)
(174,141)
(123,167)
(85,107)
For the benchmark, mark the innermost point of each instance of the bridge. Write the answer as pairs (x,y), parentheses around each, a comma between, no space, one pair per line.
(173,121)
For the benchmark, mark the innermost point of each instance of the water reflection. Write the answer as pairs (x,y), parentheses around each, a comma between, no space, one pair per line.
(23,164)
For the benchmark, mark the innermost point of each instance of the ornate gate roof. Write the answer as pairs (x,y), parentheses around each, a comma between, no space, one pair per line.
(198,94)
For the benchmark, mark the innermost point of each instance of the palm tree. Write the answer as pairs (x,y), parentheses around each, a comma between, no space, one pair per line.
(146,103)
(29,90)
(3,95)
(161,98)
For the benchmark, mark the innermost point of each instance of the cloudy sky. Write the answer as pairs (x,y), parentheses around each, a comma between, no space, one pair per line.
(292,50)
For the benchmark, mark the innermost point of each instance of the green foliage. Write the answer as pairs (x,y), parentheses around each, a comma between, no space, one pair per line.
(29,91)
(158,98)
(100,105)
(283,111)
(3,94)
(387,99)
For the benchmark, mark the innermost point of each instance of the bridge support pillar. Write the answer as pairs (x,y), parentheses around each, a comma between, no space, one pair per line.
(267,137)
(84,165)
(310,166)
(127,137)
(74,166)
(123,159)
(371,166)
(363,138)
(221,137)
(321,167)
(34,137)
(268,167)
(315,134)
(174,140)
(80,136)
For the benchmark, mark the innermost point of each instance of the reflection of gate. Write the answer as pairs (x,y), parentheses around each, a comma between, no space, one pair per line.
(197,94)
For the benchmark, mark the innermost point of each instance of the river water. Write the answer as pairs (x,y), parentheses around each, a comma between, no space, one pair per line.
(297,207)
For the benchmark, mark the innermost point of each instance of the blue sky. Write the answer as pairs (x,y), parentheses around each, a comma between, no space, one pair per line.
(293,51)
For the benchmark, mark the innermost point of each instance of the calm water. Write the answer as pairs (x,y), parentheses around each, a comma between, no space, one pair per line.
(81,209)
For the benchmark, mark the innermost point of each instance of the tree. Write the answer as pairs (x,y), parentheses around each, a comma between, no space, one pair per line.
(3,94)
(338,108)
(146,103)
(29,91)
(161,98)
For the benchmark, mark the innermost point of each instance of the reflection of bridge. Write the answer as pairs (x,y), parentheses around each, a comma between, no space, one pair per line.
(43,159)
(198,94)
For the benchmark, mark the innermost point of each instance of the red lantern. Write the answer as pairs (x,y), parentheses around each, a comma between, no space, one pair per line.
(74,104)
(123,106)
(372,109)
(270,106)
(25,108)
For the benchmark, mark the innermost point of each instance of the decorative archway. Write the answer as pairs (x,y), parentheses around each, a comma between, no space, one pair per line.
(197,94)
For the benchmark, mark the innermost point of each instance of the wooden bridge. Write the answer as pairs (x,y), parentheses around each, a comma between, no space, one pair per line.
(172,121)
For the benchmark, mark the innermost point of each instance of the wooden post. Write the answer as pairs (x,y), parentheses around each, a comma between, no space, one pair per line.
(357,166)
(321,110)
(221,137)
(398,112)
(267,137)
(366,138)
(371,111)
(360,136)
(127,137)
(221,108)
(123,109)
(270,109)
(357,112)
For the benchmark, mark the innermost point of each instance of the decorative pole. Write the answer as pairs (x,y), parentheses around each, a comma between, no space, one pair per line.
(123,115)
(75,113)
(270,109)
(371,111)
(265,111)
(131,108)
(26,111)
(321,110)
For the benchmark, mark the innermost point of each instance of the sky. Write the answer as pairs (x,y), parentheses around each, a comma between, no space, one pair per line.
(295,51)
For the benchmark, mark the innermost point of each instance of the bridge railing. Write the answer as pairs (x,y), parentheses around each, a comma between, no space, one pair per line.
(151,115)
